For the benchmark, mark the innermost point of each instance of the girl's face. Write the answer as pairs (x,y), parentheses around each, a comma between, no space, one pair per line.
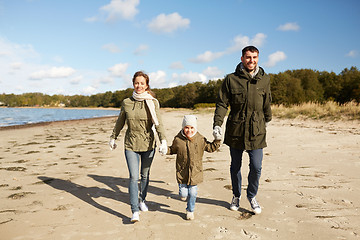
(140,85)
(189,131)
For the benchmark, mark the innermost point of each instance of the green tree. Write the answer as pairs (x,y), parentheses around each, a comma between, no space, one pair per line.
(351,85)
(310,83)
(331,84)
(286,89)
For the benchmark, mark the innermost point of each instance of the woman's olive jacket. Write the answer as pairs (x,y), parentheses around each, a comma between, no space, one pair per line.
(189,154)
(139,136)
(249,99)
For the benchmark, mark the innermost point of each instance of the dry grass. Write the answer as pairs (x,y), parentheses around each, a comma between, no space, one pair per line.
(324,111)
(317,111)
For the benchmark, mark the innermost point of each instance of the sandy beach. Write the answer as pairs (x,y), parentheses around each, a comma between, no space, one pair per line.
(61,181)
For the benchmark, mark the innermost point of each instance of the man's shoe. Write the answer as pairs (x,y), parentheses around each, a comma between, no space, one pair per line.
(143,207)
(183,198)
(255,206)
(189,215)
(235,203)
(135,217)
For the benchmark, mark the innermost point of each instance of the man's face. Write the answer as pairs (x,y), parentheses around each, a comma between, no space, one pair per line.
(250,60)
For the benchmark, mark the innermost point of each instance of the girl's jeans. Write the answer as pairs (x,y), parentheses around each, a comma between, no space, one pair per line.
(256,157)
(133,160)
(189,192)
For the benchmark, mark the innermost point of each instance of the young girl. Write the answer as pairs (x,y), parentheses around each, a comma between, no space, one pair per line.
(140,112)
(189,146)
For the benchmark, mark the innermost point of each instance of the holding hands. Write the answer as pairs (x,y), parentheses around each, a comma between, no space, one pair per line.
(217,133)
(163,147)
(112,144)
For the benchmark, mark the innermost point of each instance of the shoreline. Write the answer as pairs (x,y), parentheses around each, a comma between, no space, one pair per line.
(100,108)
(40,124)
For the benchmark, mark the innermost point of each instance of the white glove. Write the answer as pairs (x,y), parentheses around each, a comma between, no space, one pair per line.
(217,133)
(112,144)
(266,124)
(163,147)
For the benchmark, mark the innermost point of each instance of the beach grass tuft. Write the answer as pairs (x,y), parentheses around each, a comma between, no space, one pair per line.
(319,111)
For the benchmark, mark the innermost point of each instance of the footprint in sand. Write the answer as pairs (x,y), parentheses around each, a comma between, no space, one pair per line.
(249,234)
(14,169)
(19,195)
(221,232)
(210,169)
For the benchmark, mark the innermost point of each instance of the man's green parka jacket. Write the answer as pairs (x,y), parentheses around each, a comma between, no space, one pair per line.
(249,99)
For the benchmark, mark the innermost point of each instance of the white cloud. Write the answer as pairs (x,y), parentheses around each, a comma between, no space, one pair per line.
(274,58)
(207,56)
(258,40)
(16,65)
(189,77)
(106,80)
(118,70)
(17,52)
(157,79)
(168,23)
(239,42)
(58,59)
(352,53)
(76,80)
(291,26)
(89,90)
(213,73)
(54,72)
(111,47)
(141,50)
(124,9)
(176,65)
(173,84)
(91,19)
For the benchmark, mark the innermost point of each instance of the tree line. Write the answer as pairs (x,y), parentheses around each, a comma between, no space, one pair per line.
(288,88)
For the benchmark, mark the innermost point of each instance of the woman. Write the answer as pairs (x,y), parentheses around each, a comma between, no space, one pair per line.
(141,114)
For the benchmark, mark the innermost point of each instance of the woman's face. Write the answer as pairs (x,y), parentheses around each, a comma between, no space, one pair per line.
(140,85)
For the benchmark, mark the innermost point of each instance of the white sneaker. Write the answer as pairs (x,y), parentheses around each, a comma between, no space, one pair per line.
(189,215)
(135,217)
(235,203)
(143,206)
(183,199)
(255,206)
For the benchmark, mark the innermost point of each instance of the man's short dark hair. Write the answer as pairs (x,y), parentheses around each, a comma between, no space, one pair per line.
(249,48)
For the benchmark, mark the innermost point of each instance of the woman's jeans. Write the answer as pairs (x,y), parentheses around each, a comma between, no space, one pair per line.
(189,192)
(134,159)
(256,157)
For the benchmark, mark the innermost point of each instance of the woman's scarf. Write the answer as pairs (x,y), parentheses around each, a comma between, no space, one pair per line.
(145,96)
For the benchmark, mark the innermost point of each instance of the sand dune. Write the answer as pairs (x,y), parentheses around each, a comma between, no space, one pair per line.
(61,181)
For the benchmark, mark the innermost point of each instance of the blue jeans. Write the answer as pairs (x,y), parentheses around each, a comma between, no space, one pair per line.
(189,192)
(133,160)
(256,157)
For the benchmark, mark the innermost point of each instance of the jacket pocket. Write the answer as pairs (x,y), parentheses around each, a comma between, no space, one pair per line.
(237,96)
(257,125)
(235,128)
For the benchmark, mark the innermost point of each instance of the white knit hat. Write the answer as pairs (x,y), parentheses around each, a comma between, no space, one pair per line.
(190,120)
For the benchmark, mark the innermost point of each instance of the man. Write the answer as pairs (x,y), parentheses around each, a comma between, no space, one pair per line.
(247,91)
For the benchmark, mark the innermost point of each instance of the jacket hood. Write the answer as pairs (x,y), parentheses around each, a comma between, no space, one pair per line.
(240,71)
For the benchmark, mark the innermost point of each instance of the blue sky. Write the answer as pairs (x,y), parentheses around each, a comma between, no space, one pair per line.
(93,46)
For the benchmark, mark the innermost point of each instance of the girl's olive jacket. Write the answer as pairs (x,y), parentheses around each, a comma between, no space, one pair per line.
(139,136)
(249,99)
(189,154)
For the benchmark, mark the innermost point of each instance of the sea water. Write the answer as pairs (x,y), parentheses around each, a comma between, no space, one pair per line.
(21,116)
